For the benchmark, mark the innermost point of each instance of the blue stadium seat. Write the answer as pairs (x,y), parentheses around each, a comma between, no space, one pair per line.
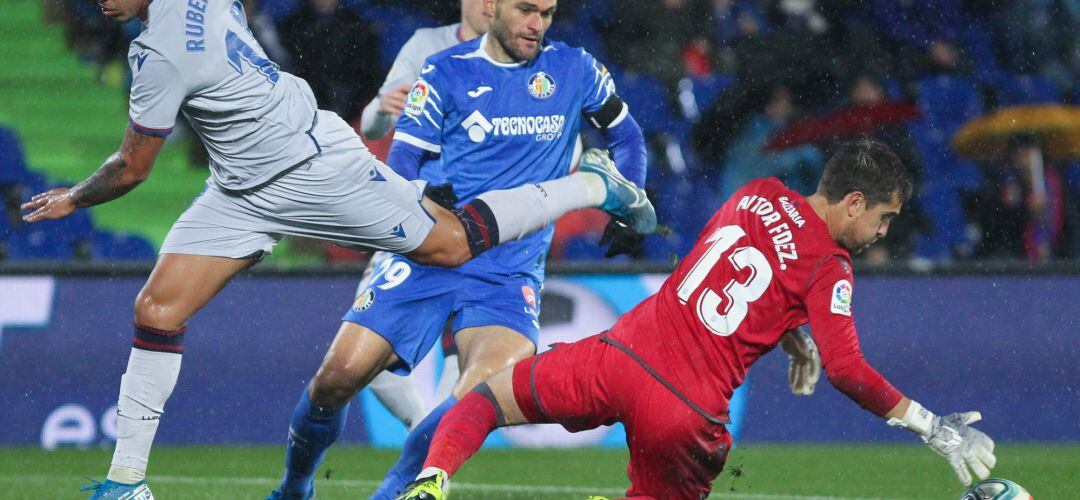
(38,243)
(684,207)
(113,246)
(948,101)
(648,100)
(5,224)
(595,13)
(978,42)
(278,9)
(12,160)
(1015,90)
(396,25)
(941,205)
(582,247)
(704,90)
(576,33)
(67,233)
(940,163)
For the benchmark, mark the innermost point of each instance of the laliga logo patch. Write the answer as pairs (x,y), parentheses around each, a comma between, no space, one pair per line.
(364,301)
(841,298)
(541,85)
(414,104)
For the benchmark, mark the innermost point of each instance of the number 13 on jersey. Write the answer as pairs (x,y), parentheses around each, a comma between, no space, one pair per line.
(736,296)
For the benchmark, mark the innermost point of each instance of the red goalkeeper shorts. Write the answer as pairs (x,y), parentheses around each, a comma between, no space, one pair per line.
(674,451)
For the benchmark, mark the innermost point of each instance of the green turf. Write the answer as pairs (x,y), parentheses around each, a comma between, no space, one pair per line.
(765,471)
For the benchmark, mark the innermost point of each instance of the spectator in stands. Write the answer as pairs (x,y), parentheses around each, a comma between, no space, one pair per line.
(867,89)
(1039,37)
(1022,209)
(95,37)
(922,35)
(809,50)
(800,167)
(336,51)
(652,36)
(736,19)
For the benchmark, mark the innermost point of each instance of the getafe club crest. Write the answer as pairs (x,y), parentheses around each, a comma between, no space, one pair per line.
(541,85)
(364,301)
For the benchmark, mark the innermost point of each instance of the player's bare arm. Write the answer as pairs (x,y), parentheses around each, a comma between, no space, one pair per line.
(394,101)
(120,173)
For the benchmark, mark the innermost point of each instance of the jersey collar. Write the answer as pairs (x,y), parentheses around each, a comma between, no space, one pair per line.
(483,54)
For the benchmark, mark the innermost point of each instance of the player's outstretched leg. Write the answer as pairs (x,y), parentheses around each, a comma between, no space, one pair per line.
(179,286)
(506,215)
(624,200)
(355,358)
(485,350)
(463,430)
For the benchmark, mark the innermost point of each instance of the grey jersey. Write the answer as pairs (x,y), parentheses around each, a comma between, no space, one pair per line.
(424,43)
(197,56)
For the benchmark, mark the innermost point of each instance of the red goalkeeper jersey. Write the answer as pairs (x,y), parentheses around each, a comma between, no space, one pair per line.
(764,264)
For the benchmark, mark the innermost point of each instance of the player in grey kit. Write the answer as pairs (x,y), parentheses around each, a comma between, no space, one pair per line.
(382,112)
(279,166)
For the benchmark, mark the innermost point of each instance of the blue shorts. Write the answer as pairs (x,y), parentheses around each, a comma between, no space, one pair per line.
(408,305)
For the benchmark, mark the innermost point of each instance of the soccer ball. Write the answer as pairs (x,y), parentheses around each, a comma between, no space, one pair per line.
(996,489)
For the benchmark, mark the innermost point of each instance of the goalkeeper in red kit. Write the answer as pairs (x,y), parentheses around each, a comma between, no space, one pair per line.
(767,262)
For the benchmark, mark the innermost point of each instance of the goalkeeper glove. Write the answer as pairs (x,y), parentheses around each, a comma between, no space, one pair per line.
(623,239)
(952,437)
(804,362)
(442,194)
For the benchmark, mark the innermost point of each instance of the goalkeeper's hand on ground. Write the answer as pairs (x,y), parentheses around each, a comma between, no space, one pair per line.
(804,362)
(952,437)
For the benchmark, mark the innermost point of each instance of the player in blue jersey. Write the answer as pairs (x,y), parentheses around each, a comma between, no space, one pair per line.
(501,110)
(400,394)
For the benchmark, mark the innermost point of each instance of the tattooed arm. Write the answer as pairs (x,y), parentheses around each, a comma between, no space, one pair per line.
(124,170)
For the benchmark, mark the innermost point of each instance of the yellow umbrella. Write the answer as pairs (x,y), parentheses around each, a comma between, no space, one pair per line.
(1057,128)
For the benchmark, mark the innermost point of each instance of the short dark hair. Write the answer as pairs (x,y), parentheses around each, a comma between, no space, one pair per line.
(867,166)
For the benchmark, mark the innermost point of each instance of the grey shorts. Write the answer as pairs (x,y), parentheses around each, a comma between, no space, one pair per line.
(343,195)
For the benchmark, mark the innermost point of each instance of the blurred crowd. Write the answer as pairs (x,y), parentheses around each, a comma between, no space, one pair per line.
(731,90)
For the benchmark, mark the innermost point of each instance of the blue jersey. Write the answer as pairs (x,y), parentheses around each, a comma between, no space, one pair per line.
(502,125)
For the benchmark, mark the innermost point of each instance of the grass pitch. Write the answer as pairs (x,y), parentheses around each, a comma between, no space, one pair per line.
(755,472)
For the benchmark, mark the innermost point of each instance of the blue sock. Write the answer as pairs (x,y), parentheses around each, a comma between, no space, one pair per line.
(413,453)
(312,430)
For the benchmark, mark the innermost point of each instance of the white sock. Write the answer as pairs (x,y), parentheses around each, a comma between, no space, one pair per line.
(144,388)
(448,379)
(526,209)
(430,471)
(399,395)
(595,185)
